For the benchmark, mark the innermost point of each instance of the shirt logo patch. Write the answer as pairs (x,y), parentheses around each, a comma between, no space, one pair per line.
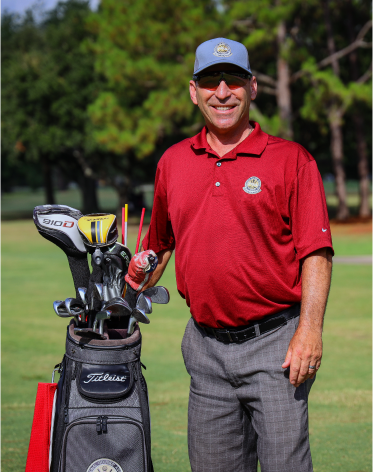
(252,185)
(222,50)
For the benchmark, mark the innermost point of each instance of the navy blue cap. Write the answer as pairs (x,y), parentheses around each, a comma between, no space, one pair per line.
(221,51)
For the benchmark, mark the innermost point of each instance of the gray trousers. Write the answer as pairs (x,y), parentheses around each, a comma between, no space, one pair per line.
(242,407)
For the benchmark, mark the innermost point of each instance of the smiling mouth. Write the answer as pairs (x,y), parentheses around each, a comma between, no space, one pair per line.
(220,108)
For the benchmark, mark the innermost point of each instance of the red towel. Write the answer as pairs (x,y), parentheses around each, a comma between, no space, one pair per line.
(38,451)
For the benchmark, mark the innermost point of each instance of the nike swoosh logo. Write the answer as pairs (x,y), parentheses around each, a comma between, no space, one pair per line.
(323,230)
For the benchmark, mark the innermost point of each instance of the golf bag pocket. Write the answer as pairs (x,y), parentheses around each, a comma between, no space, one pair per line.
(104,383)
(92,442)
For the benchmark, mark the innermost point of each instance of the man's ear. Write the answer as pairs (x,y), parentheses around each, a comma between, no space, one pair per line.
(253,88)
(193,92)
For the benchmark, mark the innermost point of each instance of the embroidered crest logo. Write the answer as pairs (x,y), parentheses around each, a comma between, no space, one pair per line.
(104,465)
(222,50)
(252,185)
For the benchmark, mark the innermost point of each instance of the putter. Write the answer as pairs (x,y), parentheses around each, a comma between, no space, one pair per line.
(101,316)
(157,294)
(144,303)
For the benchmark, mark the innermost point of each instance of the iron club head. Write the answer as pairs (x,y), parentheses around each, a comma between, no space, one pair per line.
(118,306)
(157,294)
(144,303)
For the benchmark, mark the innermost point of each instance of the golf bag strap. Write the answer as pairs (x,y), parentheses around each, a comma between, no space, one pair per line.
(83,353)
(80,272)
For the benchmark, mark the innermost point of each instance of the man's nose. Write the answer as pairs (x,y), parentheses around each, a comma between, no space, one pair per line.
(223,91)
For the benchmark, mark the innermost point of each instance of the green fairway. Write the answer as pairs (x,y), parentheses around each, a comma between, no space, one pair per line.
(35,273)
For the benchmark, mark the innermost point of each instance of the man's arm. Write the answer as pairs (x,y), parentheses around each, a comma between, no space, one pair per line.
(305,348)
(163,258)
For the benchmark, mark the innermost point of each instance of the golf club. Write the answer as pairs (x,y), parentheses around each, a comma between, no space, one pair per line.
(137,315)
(101,316)
(144,303)
(59,224)
(157,294)
(61,310)
(118,306)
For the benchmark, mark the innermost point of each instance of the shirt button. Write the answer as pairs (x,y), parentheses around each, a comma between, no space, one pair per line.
(217,184)
(218,164)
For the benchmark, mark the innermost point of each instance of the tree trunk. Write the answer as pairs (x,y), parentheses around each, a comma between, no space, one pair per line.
(283,92)
(362,166)
(48,182)
(335,114)
(89,194)
(336,147)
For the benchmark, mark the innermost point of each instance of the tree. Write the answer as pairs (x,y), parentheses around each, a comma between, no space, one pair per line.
(48,82)
(145,51)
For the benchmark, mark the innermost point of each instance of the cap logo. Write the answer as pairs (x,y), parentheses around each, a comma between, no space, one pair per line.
(252,185)
(222,50)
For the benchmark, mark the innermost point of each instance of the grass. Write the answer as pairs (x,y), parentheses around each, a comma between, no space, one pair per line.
(34,273)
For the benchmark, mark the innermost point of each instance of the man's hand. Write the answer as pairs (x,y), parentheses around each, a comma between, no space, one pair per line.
(141,269)
(305,348)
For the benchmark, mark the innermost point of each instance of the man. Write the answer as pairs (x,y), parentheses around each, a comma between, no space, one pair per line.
(246,215)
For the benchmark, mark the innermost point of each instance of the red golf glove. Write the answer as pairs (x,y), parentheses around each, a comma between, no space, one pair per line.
(141,269)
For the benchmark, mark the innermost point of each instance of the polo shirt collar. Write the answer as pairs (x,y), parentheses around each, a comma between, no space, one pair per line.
(254,144)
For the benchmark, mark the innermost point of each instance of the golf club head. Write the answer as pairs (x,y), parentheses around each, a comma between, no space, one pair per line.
(59,224)
(118,306)
(87,333)
(157,294)
(140,315)
(101,316)
(144,303)
(60,309)
(99,291)
(98,230)
(83,294)
(74,306)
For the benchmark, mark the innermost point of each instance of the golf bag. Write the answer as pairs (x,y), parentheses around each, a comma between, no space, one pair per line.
(102,420)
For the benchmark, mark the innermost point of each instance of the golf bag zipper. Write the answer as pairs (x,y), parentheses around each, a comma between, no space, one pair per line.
(101,424)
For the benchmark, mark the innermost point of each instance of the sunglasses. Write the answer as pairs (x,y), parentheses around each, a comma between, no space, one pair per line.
(211,81)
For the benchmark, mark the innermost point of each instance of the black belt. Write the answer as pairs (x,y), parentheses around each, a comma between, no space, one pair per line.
(244,333)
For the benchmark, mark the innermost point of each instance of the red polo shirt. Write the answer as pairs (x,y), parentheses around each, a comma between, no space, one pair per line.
(240,224)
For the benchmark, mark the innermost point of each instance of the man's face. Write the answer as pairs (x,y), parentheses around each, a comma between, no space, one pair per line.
(224,109)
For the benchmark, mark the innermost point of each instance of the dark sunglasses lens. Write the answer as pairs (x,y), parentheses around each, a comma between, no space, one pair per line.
(211,82)
(234,82)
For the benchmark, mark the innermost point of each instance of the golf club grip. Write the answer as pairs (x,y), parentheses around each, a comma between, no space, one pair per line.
(80,272)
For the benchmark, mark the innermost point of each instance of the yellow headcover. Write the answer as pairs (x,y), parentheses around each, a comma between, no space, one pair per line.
(98,229)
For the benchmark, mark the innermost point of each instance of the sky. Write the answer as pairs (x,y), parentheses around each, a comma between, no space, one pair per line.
(19,6)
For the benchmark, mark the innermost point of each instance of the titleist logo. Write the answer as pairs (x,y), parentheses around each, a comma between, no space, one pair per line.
(101,377)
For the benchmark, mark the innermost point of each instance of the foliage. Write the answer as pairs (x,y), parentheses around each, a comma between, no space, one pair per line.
(146,53)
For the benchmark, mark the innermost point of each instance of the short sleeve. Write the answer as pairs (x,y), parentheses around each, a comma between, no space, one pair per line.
(308,211)
(160,235)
